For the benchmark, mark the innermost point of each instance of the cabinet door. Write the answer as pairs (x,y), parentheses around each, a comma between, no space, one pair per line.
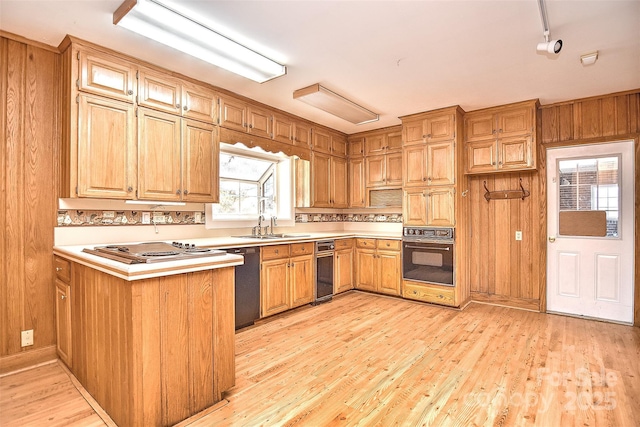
(481,156)
(356,147)
(440,163)
(321,180)
(233,113)
(301,280)
(440,207)
(375,172)
(106,75)
(199,103)
(414,208)
(394,141)
(200,157)
(478,127)
(440,128)
(159,171)
(415,166)
(107,160)
(356,183)
(339,146)
(63,321)
(159,92)
(259,121)
(516,121)
(343,271)
(339,182)
(366,270)
(516,153)
(302,135)
(274,286)
(283,129)
(375,144)
(413,132)
(321,141)
(389,265)
(393,169)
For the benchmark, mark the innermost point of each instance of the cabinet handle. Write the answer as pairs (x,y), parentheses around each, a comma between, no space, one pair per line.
(428,135)
(186,192)
(185,108)
(178,192)
(493,163)
(58,268)
(500,162)
(500,130)
(129,189)
(129,92)
(276,251)
(424,179)
(178,106)
(429,179)
(424,136)
(493,131)
(250,126)
(63,296)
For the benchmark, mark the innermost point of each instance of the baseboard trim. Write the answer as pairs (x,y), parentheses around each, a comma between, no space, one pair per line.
(27,359)
(523,304)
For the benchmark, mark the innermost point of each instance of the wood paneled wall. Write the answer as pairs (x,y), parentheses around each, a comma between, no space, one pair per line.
(505,271)
(29,78)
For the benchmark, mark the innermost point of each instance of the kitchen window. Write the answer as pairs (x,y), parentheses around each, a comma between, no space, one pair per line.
(252,183)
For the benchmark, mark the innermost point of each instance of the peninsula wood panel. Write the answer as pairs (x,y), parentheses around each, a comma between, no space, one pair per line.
(501,268)
(29,93)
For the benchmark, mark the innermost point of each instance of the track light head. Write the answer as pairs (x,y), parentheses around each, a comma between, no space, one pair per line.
(551,46)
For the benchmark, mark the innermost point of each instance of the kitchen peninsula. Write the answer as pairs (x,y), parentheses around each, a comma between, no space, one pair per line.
(152,343)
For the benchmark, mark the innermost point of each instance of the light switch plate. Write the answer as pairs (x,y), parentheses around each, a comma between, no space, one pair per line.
(146,217)
(518,235)
(27,338)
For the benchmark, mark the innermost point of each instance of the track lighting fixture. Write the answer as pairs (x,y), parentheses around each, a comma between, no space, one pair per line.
(548,46)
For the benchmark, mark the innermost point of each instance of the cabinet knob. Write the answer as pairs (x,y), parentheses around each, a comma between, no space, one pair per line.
(129,92)
(276,251)
(129,189)
(185,108)
(63,296)
(493,163)
(424,136)
(424,179)
(429,179)
(250,126)
(428,135)
(178,192)
(58,268)
(178,106)
(186,192)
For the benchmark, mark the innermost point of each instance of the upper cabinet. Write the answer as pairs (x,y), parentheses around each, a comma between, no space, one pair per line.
(501,138)
(432,127)
(250,118)
(170,152)
(383,142)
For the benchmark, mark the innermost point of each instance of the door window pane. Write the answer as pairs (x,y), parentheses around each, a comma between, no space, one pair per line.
(591,184)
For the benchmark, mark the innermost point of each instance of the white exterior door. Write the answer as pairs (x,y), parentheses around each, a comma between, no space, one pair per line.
(590,229)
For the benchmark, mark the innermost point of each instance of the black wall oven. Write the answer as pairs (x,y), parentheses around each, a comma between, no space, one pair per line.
(428,254)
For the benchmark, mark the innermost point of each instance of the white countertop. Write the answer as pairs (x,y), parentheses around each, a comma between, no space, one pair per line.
(132,272)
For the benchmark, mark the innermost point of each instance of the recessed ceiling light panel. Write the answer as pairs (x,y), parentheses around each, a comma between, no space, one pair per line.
(329,101)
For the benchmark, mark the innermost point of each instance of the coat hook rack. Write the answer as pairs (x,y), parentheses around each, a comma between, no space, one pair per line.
(504,195)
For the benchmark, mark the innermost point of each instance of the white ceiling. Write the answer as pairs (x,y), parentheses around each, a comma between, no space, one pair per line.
(392,57)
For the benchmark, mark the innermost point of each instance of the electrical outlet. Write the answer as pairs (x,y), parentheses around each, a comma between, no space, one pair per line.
(27,338)
(197,217)
(518,235)
(146,217)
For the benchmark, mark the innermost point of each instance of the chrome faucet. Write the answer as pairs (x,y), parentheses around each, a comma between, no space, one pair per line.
(260,219)
(274,223)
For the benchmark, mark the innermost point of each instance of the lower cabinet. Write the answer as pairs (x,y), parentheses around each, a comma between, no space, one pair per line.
(378,265)
(286,277)
(343,266)
(63,310)
(437,294)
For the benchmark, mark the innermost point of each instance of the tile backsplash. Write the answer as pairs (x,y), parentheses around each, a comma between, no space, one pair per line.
(79,218)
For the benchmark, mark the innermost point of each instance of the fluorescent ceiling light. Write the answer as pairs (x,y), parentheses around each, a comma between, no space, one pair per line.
(326,100)
(589,58)
(158,22)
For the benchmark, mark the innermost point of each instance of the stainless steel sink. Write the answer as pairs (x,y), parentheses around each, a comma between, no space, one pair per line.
(273,236)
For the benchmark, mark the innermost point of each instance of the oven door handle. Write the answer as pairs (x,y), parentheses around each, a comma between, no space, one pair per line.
(431,248)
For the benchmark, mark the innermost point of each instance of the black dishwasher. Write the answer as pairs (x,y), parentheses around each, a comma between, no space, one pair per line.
(247,286)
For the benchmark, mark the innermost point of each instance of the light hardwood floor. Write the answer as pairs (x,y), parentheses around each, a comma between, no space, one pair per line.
(367,360)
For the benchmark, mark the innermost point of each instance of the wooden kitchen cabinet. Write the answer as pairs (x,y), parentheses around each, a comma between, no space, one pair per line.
(63,310)
(501,139)
(286,277)
(377,143)
(429,164)
(106,148)
(106,75)
(283,128)
(250,118)
(355,147)
(429,127)
(356,183)
(384,170)
(329,181)
(178,158)
(302,134)
(429,207)
(437,294)
(343,266)
(159,91)
(378,265)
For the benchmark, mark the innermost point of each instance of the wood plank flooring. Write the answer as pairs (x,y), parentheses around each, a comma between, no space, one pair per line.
(369,360)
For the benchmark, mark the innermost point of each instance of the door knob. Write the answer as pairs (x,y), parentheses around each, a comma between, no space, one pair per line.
(552,239)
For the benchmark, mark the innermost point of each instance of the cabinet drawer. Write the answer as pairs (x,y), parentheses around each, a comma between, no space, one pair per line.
(275,252)
(344,244)
(366,243)
(391,245)
(428,293)
(301,249)
(63,269)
